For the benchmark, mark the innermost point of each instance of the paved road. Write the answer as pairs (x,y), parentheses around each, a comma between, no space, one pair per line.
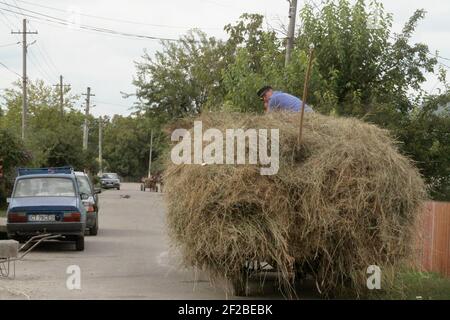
(129,259)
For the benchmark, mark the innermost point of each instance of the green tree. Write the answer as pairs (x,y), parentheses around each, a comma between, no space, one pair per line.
(194,64)
(127,143)
(52,140)
(426,138)
(360,69)
(14,155)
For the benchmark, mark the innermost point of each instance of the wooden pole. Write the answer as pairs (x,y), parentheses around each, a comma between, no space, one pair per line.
(305,93)
(150,156)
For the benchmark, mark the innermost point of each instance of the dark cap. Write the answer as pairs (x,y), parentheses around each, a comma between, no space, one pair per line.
(261,92)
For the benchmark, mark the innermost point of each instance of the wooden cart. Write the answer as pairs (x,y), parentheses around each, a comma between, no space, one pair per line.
(153,183)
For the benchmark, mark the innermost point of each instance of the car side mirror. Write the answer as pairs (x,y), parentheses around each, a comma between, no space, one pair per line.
(84,196)
(98,190)
(8,200)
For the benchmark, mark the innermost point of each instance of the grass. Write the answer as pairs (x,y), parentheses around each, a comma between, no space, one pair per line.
(417,286)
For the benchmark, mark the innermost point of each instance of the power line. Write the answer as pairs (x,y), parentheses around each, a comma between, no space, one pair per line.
(9,44)
(444,65)
(34,61)
(428,53)
(111,103)
(57,25)
(51,19)
(46,56)
(315,5)
(46,67)
(32,57)
(10,70)
(43,52)
(438,56)
(7,22)
(118,20)
(45,64)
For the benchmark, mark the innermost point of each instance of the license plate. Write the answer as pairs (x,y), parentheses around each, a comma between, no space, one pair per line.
(41,217)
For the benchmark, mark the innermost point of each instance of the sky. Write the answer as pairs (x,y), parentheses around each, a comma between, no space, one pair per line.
(106,63)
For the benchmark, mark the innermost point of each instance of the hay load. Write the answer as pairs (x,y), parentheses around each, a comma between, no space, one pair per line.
(345,200)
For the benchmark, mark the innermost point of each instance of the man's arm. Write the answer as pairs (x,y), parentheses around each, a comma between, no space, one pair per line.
(266,107)
(273,103)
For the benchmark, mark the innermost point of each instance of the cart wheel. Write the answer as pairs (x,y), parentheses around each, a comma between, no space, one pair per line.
(79,243)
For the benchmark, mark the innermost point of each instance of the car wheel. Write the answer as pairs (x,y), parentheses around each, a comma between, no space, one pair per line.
(79,243)
(118,188)
(94,230)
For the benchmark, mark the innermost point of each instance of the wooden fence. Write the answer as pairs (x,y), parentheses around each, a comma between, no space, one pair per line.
(434,243)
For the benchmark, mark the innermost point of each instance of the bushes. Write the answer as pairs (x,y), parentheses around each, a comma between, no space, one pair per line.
(14,154)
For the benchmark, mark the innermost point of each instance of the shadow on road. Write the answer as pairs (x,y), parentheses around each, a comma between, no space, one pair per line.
(117,233)
(269,288)
(56,246)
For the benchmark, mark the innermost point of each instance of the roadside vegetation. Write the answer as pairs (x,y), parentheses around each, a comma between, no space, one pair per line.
(366,72)
(415,285)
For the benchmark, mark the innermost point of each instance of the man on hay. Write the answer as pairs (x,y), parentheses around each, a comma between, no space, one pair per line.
(280,101)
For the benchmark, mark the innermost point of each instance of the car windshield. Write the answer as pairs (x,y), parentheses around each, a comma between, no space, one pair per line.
(83,185)
(110,176)
(44,187)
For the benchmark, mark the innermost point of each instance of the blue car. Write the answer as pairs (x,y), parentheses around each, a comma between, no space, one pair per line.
(47,200)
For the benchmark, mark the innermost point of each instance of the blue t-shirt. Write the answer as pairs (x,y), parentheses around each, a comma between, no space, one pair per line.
(286,102)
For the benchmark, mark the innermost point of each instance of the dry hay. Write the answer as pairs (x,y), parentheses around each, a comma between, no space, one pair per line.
(345,200)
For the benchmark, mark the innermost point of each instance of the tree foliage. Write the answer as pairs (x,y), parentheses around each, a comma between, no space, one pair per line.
(127,146)
(13,154)
(52,140)
(360,69)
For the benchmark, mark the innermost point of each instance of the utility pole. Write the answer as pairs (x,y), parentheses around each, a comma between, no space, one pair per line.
(100,137)
(61,87)
(24,33)
(291,30)
(86,124)
(150,155)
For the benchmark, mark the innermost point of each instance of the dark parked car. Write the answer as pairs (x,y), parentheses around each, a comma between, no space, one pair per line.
(110,180)
(47,200)
(91,203)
